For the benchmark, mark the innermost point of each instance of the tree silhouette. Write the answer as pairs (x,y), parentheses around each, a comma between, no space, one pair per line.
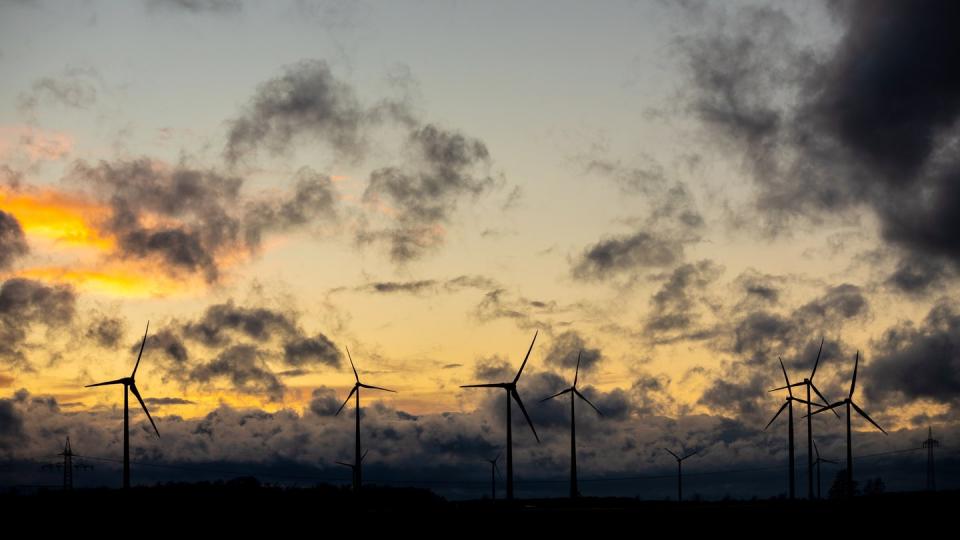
(838,490)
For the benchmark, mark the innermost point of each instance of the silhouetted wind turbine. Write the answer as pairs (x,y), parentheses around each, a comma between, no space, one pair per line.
(129,385)
(849,403)
(788,404)
(358,459)
(353,467)
(494,470)
(817,462)
(810,386)
(511,389)
(574,393)
(680,471)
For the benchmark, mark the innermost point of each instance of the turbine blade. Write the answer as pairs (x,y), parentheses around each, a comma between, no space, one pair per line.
(853,382)
(867,416)
(525,358)
(782,407)
(350,395)
(364,456)
(828,408)
(581,396)
(135,366)
(785,376)
(825,400)
(523,409)
(560,393)
(355,376)
(817,362)
(133,388)
(488,385)
(377,388)
(794,385)
(815,449)
(118,381)
(345,464)
(498,457)
(829,461)
(689,455)
(672,454)
(576,374)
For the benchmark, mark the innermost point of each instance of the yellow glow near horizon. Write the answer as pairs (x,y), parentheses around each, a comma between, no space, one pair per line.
(58,217)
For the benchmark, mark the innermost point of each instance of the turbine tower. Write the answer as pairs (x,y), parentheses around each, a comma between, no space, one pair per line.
(358,458)
(808,383)
(353,466)
(130,385)
(680,471)
(848,401)
(574,393)
(788,404)
(817,462)
(511,389)
(930,444)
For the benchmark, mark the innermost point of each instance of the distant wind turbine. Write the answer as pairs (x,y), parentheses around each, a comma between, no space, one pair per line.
(574,393)
(511,389)
(129,385)
(817,462)
(358,458)
(494,470)
(788,404)
(848,401)
(680,471)
(808,383)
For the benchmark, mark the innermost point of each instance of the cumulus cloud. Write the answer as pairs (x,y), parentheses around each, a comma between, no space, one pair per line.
(626,253)
(443,168)
(915,362)
(204,216)
(869,121)
(26,304)
(676,306)
(565,349)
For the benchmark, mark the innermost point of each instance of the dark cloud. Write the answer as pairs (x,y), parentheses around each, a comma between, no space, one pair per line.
(650,395)
(443,168)
(324,402)
(917,276)
(257,323)
(676,306)
(245,368)
(207,216)
(872,121)
(172,347)
(914,362)
(26,303)
(527,314)
(311,351)
(161,401)
(13,244)
(75,88)
(565,348)
(430,285)
(493,369)
(197,6)
(760,289)
(105,331)
(306,101)
(625,254)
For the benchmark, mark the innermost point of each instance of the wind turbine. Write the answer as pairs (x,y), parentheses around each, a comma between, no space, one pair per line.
(808,383)
(574,393)
(130,385)
(353,467)
(494,470)
(817,462)
(848,401)
(511,389)
(680,471)
(788,404)
(358,458)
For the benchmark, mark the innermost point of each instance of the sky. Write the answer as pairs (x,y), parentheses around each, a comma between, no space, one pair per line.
(678,192)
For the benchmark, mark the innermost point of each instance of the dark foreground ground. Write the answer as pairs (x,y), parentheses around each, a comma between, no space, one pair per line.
(237,508)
